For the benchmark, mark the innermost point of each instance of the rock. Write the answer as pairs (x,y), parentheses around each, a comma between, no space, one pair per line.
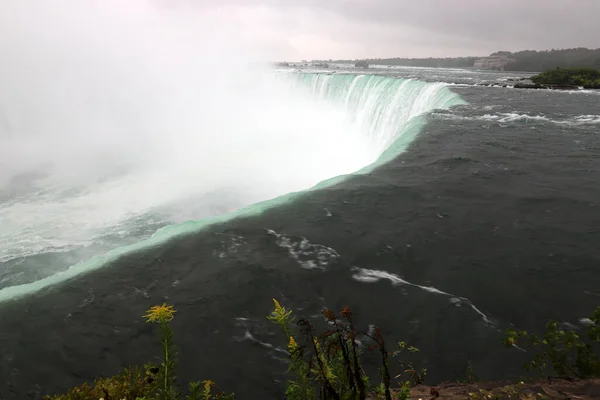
(529,86)
(540,86)
(548,389)
(563,87)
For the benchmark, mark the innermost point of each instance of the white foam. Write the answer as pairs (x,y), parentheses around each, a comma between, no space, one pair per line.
(506,118)
(371,276)
(306,254)
(586,321)
(129,127)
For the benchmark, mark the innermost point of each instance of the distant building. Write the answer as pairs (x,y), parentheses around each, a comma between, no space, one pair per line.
(493,62)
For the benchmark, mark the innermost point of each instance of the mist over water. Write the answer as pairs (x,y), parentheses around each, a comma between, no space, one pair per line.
(120,119)
(123,109)
(122,126)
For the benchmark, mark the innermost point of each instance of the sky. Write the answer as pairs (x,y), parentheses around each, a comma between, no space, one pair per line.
(348,29)
(294,30)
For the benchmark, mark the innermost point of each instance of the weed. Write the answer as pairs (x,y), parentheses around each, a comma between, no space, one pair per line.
(567,352)
(328,365)
(153,382)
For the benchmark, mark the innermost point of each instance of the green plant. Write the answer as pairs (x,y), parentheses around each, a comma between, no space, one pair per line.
(203,391)
(379,391)
(167,384)
(404,392)
(416,376)
(162,315)
(300,388)
(324,366)
(384,371)
(469,374)
(130,383)
(567,352)
(589,78)
(153,382)
(328,365)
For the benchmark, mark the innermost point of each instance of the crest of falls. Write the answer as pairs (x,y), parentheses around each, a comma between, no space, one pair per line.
(378,106)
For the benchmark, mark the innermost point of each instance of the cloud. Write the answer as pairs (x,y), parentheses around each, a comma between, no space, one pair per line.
(385,28)
(311,29)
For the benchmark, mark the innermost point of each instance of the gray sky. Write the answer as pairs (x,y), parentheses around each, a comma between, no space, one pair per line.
(310,29)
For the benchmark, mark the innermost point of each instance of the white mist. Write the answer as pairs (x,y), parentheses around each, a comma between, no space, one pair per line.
(129,109)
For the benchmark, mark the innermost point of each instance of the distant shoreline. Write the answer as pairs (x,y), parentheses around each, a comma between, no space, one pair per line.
(522,61)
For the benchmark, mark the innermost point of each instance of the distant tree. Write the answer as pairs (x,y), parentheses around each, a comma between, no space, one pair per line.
(589,78)
(534,61)
(526,60)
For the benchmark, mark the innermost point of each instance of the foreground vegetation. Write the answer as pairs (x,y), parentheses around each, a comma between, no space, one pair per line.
(589,78)
(328,365)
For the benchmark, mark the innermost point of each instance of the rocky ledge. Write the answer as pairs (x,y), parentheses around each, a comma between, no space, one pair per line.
(551,388)
(524,83)
(542,86)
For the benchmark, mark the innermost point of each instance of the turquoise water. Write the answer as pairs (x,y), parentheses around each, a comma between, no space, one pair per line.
(388,113)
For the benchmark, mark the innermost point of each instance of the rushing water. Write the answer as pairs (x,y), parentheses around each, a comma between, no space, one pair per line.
(441,210)
(475,209)
(372,118)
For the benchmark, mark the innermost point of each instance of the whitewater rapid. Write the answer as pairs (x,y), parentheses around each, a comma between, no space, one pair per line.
(321,128)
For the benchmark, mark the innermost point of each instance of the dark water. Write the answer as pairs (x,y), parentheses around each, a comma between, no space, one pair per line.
(495,205)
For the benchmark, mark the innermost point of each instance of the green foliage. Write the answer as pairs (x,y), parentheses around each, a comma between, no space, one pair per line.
(416,376)
(324,366)
(567,352)
(168,381)
(131,383)
(154,382)
(470,376)
(300,388)
(328,365)
(589,78)
(404,392)
(283,318)
(527,60)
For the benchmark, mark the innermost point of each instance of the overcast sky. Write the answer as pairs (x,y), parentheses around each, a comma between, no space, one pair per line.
(317,29)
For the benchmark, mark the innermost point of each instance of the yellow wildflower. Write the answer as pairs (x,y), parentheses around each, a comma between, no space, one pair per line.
(279,314)
(207,389)
(208,384)
(160,314)
(292,345)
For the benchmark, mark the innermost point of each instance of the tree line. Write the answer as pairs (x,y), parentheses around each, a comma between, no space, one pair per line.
(526,60)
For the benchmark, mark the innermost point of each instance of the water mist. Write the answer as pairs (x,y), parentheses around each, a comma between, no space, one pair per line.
(120,119)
